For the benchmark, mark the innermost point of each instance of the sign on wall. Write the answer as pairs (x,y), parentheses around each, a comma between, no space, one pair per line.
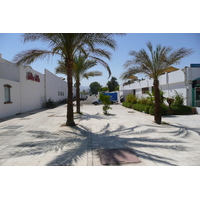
(29,76)
(194,65)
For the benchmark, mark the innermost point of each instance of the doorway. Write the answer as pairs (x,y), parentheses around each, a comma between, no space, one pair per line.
(197,96)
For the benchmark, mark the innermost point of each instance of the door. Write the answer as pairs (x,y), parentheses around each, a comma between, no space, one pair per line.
(197,96)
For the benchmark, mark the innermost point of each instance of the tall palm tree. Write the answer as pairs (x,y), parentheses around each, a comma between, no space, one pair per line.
(67,45)
(80,70)
(153,65)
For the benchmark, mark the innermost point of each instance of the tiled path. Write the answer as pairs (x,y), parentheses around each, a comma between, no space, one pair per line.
(38,138)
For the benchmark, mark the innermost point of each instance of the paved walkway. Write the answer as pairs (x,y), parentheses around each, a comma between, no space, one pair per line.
(39,138)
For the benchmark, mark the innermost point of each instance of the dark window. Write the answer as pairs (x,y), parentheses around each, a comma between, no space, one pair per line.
(145,90)
(7,96)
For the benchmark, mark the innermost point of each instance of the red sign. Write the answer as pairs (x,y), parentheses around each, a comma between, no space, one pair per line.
(30,76)
(37,78)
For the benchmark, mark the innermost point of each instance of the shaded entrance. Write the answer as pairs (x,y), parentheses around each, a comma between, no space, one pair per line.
(196,93)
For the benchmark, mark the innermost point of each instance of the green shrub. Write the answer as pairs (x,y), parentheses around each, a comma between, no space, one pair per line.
(106,103)
(127,104)
(151,110)
(141,107)
(131,98)
(178,99)
(50,104)
(181,110)
(143,100)
(147,109)
(164,110)
(150,98)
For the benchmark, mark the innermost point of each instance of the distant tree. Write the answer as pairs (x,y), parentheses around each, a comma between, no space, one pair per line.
(104,89)
(117,88)
(94,87)
(112,84)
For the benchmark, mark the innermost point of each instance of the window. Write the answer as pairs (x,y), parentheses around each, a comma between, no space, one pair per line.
(7,94)
(145,90)
(60,93)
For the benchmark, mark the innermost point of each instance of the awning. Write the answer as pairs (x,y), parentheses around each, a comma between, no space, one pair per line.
(132,77)
(170,69)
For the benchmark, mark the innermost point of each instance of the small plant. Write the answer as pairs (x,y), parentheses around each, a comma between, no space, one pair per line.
(150,98)
(50,104)
(143,100)
(106,103)
(178,99)
(131,98)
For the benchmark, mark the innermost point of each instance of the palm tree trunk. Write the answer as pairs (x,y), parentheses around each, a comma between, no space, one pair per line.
(157,111)
(70,112)
(78,95)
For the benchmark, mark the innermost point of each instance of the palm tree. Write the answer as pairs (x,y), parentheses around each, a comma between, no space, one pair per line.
(67,45)
(81,65)
(153,65)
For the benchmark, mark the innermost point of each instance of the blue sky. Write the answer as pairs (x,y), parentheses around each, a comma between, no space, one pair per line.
(10,44)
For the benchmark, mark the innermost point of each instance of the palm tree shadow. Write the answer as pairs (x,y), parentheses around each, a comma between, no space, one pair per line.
(184,131)
(75,143)
(98,116)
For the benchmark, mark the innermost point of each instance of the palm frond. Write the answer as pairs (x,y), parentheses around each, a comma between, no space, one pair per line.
(29,56)
(102,62)
(61,69)
(177,55)
(154,63)
(92,74)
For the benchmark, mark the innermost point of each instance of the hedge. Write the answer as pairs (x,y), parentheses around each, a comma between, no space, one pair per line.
(127,104)
(141,107)
(164,110)
(181,110)
(173,110)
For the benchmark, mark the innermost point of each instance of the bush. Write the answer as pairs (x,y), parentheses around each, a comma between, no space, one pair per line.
(131,98)
(178,99)
(182,110)
(141,107)
(164,110)
(127,104)
(50,104)
(106,103)
(147,109)
(143,101)
(173,110)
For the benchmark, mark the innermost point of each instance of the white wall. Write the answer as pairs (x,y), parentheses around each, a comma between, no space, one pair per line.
(13,108)
(27,95)
(177,76)
(53,85)
(32,92)
(9,70)
(169,82)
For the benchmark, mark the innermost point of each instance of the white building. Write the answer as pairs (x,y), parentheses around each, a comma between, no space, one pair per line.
(185,81)
(23,89)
